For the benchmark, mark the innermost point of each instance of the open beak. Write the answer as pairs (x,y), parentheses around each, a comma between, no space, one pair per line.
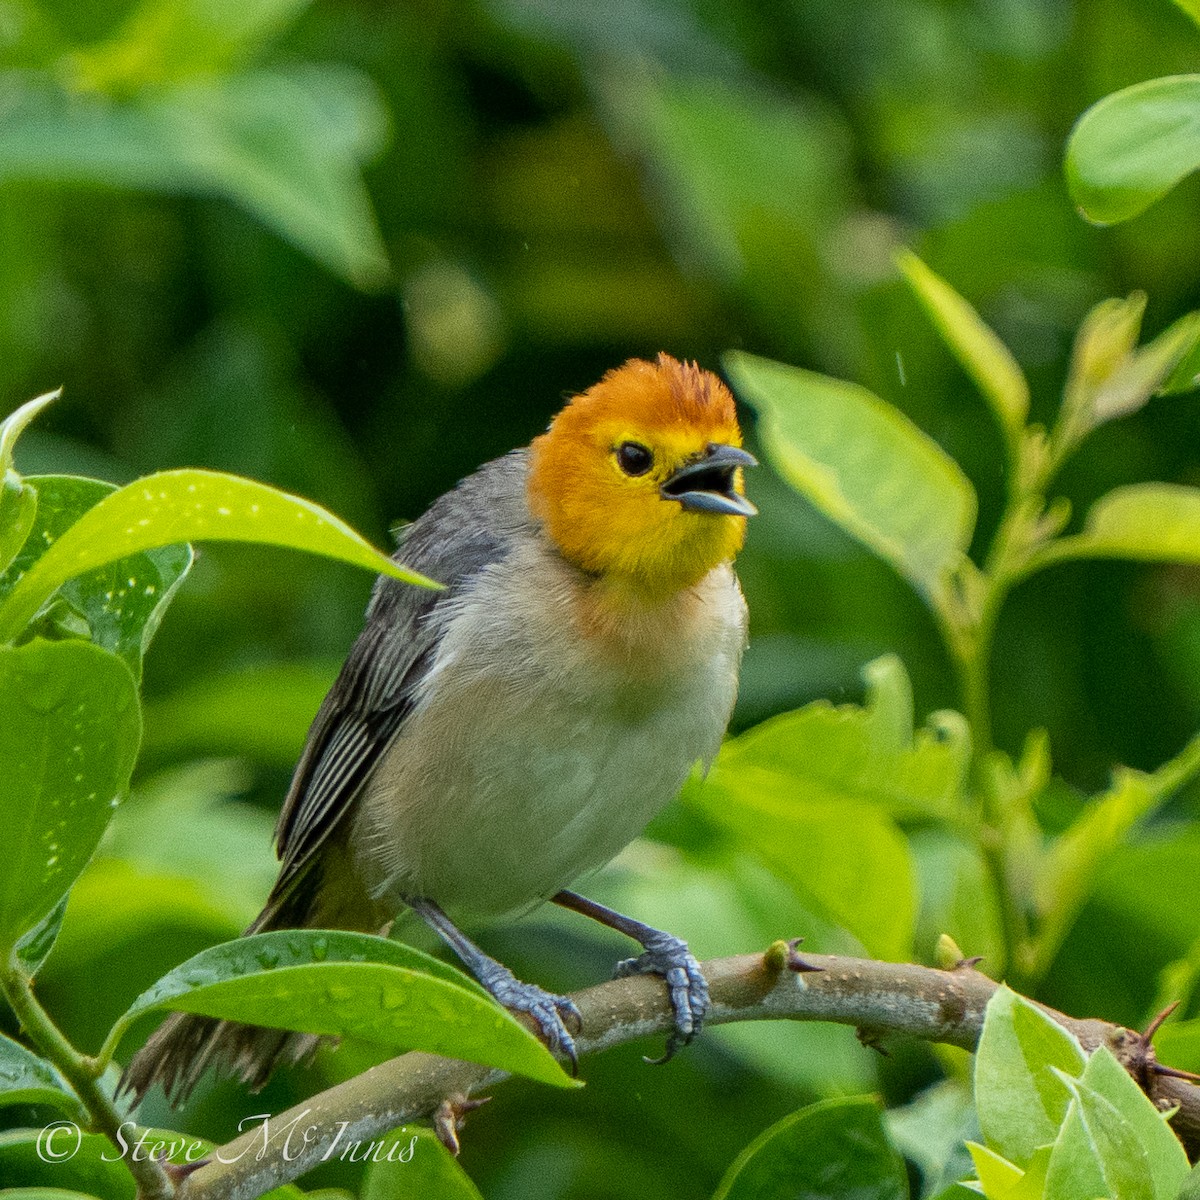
(706,485)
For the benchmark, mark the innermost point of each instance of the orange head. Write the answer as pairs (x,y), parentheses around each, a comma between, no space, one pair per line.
(639,479)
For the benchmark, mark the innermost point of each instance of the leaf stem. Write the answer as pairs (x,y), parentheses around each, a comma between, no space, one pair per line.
(82,1074)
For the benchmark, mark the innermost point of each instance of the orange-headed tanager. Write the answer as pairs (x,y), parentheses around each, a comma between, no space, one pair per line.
(486,745)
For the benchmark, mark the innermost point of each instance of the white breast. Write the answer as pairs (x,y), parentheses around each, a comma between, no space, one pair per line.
(541,745)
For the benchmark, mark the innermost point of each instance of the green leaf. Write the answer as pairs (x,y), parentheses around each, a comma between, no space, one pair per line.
(352,985)
(1156,522)
(800,787)
(121,603)
(179,506)
(411,1164)
(18,510)
(1069,866)
(68,743)
(164,41)
(997,1176)
(1192,8)
(260,712)
(1096,1153)
(1168,1164)
(1191,1186)
(982,354)
(838,1148)
(864,465)
(18,500)
(1021,1101)
(1186,376)
(80,1162)
(958,897)
(1178,1044)
(15,423)
(35,946)
(285,147)
(27,1079)
(930,1131)
(1132,147)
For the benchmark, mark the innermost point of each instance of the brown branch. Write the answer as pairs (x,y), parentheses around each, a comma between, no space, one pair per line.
(880,999)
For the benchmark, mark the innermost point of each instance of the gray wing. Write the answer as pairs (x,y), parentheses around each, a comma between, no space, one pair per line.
(460,534)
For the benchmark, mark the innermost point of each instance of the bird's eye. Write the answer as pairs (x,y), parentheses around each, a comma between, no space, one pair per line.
(633,458)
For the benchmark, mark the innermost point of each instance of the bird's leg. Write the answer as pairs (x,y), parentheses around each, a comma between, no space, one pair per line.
(551,1012)
(665,955)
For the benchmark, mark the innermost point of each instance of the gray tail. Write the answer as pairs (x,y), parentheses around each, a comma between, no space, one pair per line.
(184,1046)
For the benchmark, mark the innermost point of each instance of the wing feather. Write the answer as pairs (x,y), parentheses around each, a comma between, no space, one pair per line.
(463,531)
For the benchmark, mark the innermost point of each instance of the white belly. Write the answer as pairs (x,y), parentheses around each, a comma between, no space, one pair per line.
(533,758)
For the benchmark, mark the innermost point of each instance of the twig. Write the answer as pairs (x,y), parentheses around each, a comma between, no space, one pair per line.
(882,999)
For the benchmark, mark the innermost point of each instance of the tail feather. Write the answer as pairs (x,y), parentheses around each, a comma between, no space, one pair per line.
(180,1051)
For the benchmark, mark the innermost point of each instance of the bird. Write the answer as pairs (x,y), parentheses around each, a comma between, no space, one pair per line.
(486,745)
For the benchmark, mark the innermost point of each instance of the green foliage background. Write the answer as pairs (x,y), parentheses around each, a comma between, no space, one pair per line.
(354,249)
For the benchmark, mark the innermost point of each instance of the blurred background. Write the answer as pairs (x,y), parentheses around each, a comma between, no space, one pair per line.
(354,248)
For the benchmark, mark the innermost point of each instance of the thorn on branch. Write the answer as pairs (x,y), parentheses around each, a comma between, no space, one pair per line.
(873,1040)
(450,1117)
(795,962)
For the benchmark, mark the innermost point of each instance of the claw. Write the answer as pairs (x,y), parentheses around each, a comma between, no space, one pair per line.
(550,1012)
(449,1117)
(668,956)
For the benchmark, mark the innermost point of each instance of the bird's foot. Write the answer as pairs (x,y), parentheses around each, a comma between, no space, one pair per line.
(668,956)
(551,1013)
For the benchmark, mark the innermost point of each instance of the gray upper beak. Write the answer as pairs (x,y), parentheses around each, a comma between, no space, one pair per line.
(706,485)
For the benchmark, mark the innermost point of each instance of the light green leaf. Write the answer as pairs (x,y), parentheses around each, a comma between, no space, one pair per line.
(18,500)
(799,787)
(1191,1186)
(1168,1164)
(930,1131)
(15,423)
(286,147)
(411,1164)
(352,985)
(1178,1044)
(982,354)
(958,897)
(1132,147)
(864,465)
(163,41)
(1096,1153)
(1155,522)
(119,605)
(1020,1099)
(261,712)
(18,510)
(997,1176)
(27,1079)
(68,743)
(179,506)
(1192,8)
(1067,869)
(1143,373)
(838,1148)
(1186,376)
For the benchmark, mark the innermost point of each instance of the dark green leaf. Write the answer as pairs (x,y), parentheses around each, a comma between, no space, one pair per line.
(27,1079)
(348,984)
(179,506)
(1132,147)
(286,147)
(79,1162)
(68,743)
(828,1151)
(864,465)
